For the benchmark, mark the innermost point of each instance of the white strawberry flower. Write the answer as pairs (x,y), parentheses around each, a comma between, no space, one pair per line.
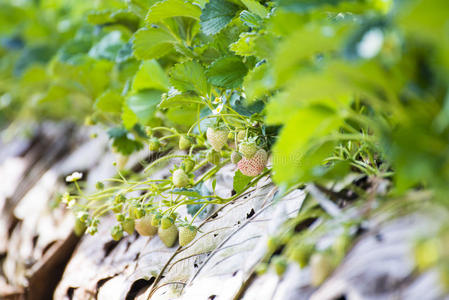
(218,100)
(218,109)
(74,177)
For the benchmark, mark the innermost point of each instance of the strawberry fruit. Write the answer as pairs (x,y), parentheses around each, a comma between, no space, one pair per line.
(217,138)
(168,236)
(186,235)
(248,149)
(143,226)
(154,144)
(166,222)
(255,165)
(128,225)
(180,178)
(235,157)
(184,142)
(213,157)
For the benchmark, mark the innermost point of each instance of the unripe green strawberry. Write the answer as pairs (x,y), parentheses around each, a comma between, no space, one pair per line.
(301,254)
(79,227)
(117,232)
(99,185)
(154,144)
(149,131)
(217,138)
(180,178)
(119,198)
(273,243)
(230,136)
(166,222)
(144,227)
(241,135)
(261,268)
(117,208)
(341,245)
(188,165)
(155,220)
(321,267)
(139,212)
(168,236)
(280,264)
(186,235)
(235,157)
(88,121)
(184,142)
(255,165)
(120,217)
(213,157)
(128,226)
(248,149)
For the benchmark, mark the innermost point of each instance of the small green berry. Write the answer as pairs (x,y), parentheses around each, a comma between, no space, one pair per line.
(166,222)
(99,185)
(79,227)
(235,157)
(184,142)
(186,235)
(120,217)
(143,226)
(154,144)
(241,135)
(188,165)
(128,225)
(248,149)
(117,232)
(168,236)
(180,178)
(280,264)
(213,157)
(155,220)
(117,208)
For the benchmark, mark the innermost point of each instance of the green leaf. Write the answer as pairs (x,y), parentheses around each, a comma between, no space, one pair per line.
(216,15)
(298,151)
(152,43)
(255,7)
(144,104)
(172,8)
(306,5)
(126,146)
(150,76)
(123,142)
(110,101)
(189,76)
(86,75)
(227,72)
(108,47)
(183,115)
(176,98)
(240,181)
(314,40)
(108,17)
(245,45)
(129,118)
(252,43)
(250,19)
(258,82)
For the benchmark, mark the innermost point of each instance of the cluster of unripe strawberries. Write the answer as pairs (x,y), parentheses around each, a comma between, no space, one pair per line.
(152,224)
(249,157)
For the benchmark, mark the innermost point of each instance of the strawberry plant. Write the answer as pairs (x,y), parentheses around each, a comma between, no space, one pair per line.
(302,92)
